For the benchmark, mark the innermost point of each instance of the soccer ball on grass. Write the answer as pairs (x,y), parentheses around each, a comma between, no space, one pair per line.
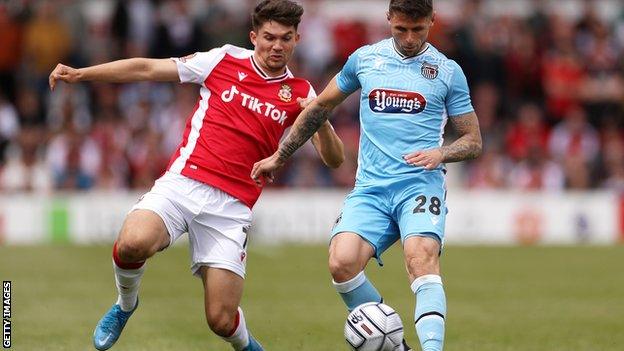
(374,326)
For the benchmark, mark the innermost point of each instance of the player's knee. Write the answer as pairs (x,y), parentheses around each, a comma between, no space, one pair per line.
(220,321)
(421,264)
(343,268)
(133,250)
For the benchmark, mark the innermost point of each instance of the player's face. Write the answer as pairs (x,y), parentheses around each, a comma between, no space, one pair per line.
(409,34)
(274,45)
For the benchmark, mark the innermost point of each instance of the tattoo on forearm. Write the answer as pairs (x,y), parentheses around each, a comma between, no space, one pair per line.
(311,122)
(468,146)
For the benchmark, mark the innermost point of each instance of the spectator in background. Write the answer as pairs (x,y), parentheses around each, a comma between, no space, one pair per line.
(177,32)
(486,98)
(30,107)
(25,169)
(73,156)
(574,143)
(46,42)
(537,172)
(489,171)
(562,70)
(10,50)
(529,133)
(9,126)
(523,66)
(612,155)
(317,47)
(132,25)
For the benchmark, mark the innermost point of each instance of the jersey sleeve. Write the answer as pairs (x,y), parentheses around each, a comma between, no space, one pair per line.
(347,79)
(458,96)
(311,93)
(196,67)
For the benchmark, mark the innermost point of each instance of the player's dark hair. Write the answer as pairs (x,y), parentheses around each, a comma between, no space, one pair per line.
(412,8)
(285,12)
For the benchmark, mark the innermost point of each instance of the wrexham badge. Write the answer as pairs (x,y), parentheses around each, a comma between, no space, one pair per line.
(285,93)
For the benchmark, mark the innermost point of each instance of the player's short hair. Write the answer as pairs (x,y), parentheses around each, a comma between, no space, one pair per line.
(285,12)
(412,8)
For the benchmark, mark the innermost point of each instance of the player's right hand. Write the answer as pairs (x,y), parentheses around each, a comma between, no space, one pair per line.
(64,73)
(265,168)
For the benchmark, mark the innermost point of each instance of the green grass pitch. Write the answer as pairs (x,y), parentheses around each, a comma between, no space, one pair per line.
(499,299)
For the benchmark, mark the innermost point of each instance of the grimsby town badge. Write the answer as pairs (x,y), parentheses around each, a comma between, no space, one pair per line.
(285,93)
(429,71)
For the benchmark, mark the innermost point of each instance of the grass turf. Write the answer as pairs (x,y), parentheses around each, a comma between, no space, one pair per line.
(499,299)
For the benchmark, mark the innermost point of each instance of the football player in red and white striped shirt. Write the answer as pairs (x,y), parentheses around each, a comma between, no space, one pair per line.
(247,100)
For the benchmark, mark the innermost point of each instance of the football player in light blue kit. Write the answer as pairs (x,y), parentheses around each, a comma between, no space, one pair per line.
(409,90)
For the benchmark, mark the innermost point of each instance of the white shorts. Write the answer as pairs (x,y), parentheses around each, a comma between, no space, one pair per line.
(217,222)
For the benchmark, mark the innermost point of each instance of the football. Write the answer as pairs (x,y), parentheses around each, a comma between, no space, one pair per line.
(374,326)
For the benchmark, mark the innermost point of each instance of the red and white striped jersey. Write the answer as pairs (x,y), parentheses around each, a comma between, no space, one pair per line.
(239,119)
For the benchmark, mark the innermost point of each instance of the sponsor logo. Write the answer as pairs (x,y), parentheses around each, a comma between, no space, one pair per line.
(285,93)
(243,255)
(396,101)
(429,71)
(435,220)
(188,57)
(253,103)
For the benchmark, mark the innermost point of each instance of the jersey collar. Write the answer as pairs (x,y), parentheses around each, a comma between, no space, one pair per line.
(265,76)
(403,57)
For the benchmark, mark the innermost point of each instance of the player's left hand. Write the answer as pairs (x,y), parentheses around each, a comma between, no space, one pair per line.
(430,159)
(265,169)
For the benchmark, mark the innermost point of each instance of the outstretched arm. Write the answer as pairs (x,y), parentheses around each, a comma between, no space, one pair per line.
(468,146)
(306,124)
(121,71)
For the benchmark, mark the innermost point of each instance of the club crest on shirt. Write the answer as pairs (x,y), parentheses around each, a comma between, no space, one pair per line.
(396,101)
(429,71)
(285,93)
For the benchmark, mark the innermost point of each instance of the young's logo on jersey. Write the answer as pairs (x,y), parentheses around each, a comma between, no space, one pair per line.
(429,71)
(285,93)
(396,101)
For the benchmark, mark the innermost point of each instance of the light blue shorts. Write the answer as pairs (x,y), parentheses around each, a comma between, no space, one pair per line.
(381,214)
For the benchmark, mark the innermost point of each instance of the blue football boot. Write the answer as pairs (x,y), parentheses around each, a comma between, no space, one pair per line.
(253,345)
(110,326)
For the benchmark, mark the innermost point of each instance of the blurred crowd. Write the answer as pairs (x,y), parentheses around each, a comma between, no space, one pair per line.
(548,90)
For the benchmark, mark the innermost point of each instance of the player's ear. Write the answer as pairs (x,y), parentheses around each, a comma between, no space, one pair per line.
(433,15)
(297,37)
(388,15)
(252,37)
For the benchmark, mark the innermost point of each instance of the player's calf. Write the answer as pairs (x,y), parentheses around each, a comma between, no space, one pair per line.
(234,331)
(357,291)
(430,311)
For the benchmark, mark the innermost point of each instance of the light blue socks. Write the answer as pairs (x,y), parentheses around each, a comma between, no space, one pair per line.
(357,291)
(430,311)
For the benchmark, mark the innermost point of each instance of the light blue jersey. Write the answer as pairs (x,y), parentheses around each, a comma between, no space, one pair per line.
(404,106)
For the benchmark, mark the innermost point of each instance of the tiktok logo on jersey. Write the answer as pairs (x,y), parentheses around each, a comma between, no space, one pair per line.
(253,103)
(396,101)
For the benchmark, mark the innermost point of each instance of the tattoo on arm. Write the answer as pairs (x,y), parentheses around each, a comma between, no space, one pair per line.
(468,145)
(310,123)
